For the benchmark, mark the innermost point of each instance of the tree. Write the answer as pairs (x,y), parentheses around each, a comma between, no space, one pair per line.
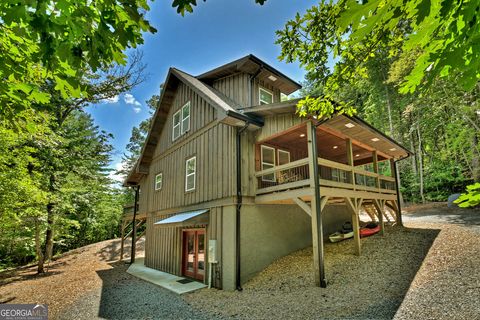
(62,42)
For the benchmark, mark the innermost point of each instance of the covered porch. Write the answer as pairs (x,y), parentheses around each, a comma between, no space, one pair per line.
(342,160)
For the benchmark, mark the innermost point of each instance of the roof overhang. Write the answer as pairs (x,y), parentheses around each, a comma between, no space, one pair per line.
(185,219)
(254,66)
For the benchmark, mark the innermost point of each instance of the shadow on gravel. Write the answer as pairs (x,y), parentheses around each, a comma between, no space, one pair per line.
(124,296)
(370,286)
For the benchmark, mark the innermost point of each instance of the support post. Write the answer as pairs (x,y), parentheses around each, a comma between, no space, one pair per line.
(355,223)
(134,226)
(380,208)
(375,168)
(399,208)
(350,159)
(317,230)
(122,244)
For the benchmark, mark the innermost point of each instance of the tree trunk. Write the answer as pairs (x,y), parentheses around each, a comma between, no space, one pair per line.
(420,163)
(475,159)
(414,157)
(38,248)
(50,221)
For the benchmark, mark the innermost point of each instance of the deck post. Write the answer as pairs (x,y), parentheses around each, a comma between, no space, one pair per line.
(122,233)
(354,208)
(348,141)
(316,206)
(380,208)
(375,168)
(134,226)
(399,204)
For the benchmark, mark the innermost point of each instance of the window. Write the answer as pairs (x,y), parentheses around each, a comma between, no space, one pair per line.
(265,96)
(283,157)
(181,121)
(268,161)
(190,173)
(158,181)
(186,117)
(176,125)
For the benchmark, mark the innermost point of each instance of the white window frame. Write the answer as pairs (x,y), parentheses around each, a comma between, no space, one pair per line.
(260,101)
(278,155)
(185,106)
(161,181)
(262,147)
(182,129)
(194,173)
(179,124)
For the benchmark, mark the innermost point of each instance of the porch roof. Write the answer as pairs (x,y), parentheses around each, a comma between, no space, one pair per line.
(185,218)
(342,126)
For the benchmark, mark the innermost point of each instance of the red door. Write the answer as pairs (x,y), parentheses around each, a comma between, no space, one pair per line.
(194,253)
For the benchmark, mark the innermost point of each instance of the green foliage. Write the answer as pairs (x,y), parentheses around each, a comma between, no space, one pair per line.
(184,6)
(471,198)
(62,41)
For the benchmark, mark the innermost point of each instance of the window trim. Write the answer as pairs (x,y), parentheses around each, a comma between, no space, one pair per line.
(262,162)
(260,89)
(160,174)
(278,155)
(194,174)
(179,125)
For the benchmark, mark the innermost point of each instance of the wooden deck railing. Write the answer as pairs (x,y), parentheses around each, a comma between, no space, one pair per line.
(333,174)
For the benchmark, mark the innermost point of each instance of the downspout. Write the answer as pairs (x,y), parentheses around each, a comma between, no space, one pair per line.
(134,225)
(239,205)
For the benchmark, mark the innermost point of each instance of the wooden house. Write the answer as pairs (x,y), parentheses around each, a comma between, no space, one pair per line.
(231,175)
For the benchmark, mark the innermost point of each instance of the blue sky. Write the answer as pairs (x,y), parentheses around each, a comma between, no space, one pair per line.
(217,32)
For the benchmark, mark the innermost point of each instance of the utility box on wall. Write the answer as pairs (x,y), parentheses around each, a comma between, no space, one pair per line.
(212,251)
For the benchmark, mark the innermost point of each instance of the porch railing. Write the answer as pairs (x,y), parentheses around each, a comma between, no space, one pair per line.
(333,174)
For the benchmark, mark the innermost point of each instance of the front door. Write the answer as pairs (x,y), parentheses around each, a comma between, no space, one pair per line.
(194,253)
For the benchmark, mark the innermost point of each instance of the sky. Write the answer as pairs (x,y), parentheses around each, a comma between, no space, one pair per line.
(217,32)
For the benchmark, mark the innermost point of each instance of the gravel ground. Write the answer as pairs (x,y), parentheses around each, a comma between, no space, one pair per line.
(371,286)
(123,296)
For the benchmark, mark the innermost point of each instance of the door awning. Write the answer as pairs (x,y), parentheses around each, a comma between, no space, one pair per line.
(185,219)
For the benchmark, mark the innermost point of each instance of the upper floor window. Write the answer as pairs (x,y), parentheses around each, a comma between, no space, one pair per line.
(265,96)
(158,181)
(190,173)
(181,121)
(268,162)
(283,157)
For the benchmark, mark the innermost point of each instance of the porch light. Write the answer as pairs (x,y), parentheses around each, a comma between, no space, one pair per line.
(357,155)
(349,125)
(375,139)
(302,135)
(273,78)
(393,149)
(335,147)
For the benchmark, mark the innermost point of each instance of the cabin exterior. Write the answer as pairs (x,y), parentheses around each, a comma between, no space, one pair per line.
(226,178)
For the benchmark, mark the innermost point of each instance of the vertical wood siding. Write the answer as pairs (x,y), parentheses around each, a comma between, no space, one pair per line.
(278,123)
(163,245)
(236,87)
(261,84)
(201,113)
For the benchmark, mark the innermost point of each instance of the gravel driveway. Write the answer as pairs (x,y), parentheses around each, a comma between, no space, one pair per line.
(123,296)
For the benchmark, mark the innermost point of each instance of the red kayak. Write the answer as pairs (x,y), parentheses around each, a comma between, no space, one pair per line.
(366,232)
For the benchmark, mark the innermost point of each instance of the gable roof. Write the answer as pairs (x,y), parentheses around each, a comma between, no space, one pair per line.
(224,106)
(254,66)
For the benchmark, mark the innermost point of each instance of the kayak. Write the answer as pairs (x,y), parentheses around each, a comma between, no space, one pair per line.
(366,232)
(338,236)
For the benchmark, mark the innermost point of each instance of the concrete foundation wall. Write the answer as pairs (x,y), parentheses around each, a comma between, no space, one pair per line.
(269,232)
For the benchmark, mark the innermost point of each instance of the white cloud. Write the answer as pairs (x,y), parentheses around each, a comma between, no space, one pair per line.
(111,100)
(114,175)
(130,99)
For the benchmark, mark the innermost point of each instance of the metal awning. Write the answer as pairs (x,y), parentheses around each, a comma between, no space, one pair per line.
(185,219)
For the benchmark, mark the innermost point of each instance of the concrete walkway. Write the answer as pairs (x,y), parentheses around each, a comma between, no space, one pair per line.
(162,279)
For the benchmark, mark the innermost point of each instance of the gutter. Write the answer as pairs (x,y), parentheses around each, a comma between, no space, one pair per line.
(239,205)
